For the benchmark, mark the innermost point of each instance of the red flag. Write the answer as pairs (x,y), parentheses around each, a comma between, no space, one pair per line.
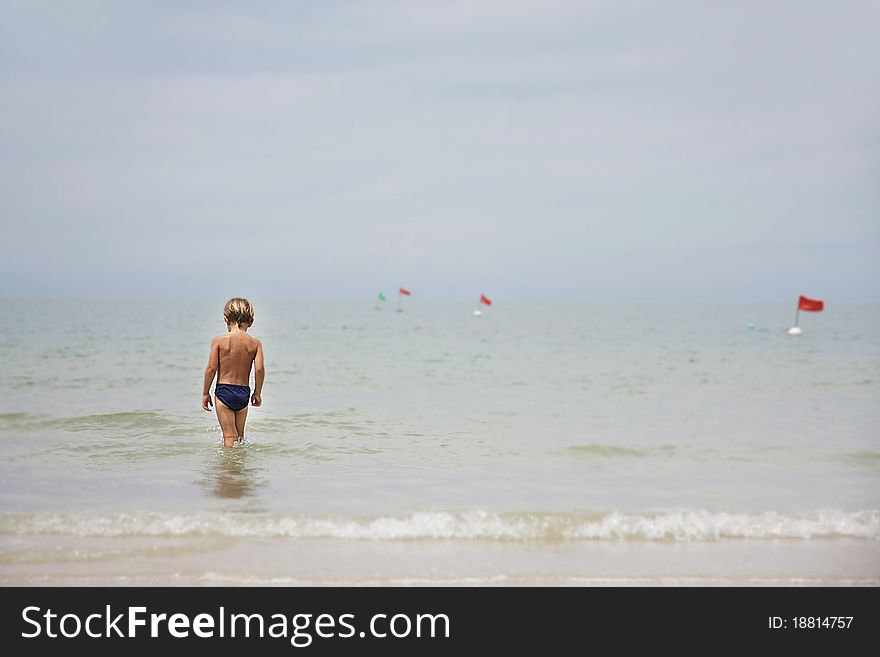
(485,299)
(406,292)
(813,305)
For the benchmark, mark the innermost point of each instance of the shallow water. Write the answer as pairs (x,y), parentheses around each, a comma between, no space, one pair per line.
(535,424)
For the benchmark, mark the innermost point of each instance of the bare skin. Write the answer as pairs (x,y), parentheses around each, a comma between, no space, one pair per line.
(237,352)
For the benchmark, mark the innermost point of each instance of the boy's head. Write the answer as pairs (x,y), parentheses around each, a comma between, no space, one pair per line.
(239,311)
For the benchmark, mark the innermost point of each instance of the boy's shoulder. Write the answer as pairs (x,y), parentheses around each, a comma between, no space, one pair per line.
(217,338)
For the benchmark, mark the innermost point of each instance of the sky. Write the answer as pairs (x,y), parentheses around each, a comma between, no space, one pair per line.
(633,150)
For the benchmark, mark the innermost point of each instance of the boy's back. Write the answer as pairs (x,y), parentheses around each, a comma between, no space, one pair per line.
(237,351)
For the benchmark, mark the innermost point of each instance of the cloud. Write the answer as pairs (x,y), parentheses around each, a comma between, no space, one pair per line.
(520,142)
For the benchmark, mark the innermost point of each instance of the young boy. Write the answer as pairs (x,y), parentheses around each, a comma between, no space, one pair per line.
(231,358)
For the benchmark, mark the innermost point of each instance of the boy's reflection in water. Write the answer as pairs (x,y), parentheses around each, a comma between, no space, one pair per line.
(232,478)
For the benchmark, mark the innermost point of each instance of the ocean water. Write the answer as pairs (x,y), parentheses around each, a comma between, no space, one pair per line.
(563,443)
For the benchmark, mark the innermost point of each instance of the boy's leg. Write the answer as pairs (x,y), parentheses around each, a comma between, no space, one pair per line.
(226,417)
(240,419)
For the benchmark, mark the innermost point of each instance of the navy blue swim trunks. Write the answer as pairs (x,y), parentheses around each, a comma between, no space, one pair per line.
(233,396)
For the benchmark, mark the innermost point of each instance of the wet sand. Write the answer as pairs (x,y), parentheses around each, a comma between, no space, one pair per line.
(136,561)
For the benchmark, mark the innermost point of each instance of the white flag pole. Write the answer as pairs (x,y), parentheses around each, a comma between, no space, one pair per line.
(794,330)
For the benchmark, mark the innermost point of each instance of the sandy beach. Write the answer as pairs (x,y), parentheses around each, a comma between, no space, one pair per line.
(240,562)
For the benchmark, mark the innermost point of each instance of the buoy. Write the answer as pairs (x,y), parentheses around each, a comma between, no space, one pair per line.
(794,330)
(477,313)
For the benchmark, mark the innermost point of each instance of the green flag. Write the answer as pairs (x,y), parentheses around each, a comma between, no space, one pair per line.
(381,296)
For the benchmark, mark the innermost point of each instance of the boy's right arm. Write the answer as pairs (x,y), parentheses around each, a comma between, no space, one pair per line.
(210,373)
(259,375)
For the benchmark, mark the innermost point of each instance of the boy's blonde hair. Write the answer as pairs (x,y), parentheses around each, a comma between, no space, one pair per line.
(239,311)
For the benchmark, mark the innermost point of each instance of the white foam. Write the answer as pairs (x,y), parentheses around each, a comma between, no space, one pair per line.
(703,525)
(674,525)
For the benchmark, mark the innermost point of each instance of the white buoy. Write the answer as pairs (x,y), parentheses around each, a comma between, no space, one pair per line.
(477,313)
(794,330)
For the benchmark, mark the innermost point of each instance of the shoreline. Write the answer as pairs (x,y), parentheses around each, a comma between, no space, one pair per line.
(144,561)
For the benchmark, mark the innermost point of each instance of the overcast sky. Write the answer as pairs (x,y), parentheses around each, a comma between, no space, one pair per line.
(558,149)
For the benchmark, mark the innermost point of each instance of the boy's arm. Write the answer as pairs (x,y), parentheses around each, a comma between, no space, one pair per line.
(259,375)
(210,373)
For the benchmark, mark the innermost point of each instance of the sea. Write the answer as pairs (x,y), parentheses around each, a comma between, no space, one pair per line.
(539,443)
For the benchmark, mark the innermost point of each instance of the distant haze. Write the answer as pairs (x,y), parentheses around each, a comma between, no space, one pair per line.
(560,149)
